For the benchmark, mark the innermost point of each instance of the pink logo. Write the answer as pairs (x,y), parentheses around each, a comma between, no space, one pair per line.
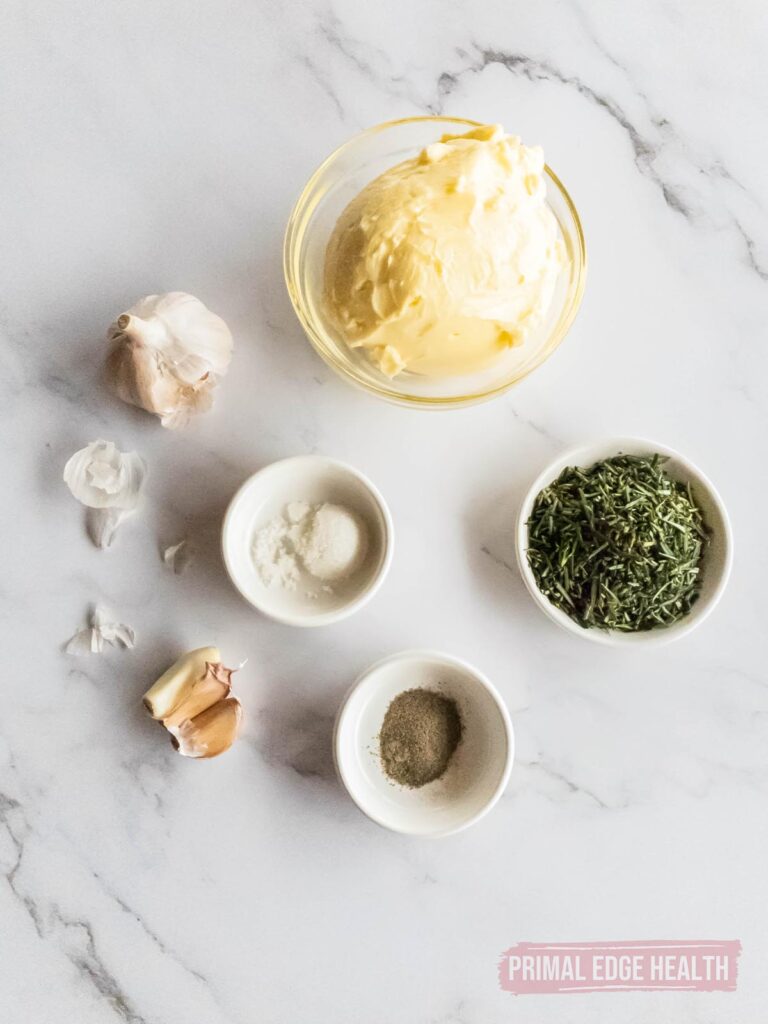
(538,967)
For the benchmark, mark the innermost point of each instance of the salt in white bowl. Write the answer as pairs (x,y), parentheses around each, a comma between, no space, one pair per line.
(317,480)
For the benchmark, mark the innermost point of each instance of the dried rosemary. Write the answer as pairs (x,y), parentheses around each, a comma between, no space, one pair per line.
(619,545)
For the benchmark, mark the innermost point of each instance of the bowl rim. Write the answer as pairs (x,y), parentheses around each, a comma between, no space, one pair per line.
(594,451)
(392,394)
(324,618)
(439,658)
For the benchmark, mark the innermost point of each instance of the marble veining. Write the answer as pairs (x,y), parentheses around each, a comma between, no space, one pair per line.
(152,147)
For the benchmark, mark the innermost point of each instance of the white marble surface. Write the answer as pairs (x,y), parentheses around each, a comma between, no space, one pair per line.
(154,146)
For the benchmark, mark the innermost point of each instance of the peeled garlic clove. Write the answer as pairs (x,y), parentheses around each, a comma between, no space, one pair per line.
(168,353)
(175,684)
(212,687)
(211,732)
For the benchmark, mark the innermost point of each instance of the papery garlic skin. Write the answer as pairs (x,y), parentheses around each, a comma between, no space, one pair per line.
(109,483)
(177,557)
(168,353)
(102,629)
(101,476)
(102,524)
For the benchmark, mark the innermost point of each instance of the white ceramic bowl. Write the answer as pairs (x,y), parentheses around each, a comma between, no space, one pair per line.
(478,771)
(314,479)
(716,561)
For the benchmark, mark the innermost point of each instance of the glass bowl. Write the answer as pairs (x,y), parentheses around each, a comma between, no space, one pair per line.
(337,181)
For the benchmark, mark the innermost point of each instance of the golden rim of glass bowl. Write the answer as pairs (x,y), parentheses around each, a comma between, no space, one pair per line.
(303,209)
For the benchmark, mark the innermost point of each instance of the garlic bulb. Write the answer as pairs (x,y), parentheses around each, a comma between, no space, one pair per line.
(108,482)
(168,353)
(192,701)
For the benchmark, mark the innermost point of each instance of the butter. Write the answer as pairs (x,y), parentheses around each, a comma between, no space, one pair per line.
(448,259)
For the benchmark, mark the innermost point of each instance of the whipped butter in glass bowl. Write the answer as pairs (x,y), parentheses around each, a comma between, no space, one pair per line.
(434,261)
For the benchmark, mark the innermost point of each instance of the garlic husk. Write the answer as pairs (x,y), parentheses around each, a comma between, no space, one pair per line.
(102,524)
(102,629)
(101,476)
(176,683)
(168,353)
(211,732)
(213,686)
(177,557)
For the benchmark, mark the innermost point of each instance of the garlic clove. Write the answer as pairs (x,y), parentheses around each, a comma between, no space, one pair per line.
(175,684)
(211,732)
(213,686)
(168,353)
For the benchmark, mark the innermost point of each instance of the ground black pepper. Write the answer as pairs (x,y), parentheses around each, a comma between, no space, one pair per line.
(419,735)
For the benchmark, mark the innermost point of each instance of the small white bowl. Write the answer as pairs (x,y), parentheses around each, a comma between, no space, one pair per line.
(314,479)
(478,771)
(716,560)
